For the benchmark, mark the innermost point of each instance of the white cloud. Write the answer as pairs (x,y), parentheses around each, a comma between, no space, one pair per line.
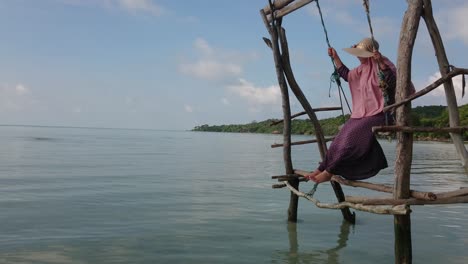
(203,46)
(210,69)
(212,63)
(452,20)
(132,6)
(77,110)
(21,89)
(256,95)
(225,101)
(341,12)
(147,6)
(14,97)
(188,108)
(437,96)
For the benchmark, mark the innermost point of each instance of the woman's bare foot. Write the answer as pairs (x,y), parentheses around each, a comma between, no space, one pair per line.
(324,176)
(311,176)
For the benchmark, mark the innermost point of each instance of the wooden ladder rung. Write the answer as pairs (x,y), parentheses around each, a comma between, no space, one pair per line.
(302,142)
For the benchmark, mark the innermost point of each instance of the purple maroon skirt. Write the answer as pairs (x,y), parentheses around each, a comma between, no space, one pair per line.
(355,153)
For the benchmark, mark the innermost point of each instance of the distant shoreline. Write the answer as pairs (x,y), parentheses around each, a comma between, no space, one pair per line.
(421,116)
(419,139)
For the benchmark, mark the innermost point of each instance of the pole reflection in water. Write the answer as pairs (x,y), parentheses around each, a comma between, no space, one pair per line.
(294,255)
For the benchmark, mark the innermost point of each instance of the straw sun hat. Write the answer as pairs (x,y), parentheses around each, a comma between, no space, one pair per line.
(363,49)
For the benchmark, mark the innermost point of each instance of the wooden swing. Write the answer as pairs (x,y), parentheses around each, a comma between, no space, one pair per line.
(403,196)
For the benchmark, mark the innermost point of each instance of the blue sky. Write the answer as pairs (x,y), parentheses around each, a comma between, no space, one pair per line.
(175,64)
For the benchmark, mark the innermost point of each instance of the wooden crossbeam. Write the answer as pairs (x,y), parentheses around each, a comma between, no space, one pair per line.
(434,85)
(383,188)
(302,142)
(408,129)
(289,9)
(278,4)
(410,201)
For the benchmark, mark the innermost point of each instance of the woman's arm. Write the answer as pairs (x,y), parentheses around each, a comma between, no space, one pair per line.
(342,69)
(332,53)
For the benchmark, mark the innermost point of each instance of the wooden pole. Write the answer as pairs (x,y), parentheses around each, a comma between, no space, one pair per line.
(404,152)
(273,30)
(448,86)
(321,142)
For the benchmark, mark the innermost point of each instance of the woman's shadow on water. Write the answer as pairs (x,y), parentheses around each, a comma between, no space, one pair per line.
(330,256)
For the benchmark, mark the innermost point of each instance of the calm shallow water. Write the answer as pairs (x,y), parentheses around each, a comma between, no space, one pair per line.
(137,196)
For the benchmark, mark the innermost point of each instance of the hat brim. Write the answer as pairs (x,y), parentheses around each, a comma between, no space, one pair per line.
(359,52)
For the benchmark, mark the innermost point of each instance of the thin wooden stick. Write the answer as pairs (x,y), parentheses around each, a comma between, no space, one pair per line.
(460,192)
(408,129)
(434,85)
(293,116)
(304,112)
(288,178)
(287,175)
(302,142)
(278,186)
(394,210)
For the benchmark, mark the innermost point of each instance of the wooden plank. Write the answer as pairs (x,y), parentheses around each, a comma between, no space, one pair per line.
(302,142)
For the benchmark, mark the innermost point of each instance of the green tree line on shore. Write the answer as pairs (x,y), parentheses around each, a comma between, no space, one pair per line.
(424,116)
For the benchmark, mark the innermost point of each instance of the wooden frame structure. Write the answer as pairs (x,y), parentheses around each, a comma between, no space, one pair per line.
(398,205)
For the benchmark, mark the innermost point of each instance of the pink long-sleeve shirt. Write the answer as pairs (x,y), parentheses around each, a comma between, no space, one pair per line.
(363,82)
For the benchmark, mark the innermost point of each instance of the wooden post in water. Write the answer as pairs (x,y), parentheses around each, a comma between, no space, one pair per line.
(273,29)
(404,151)
(279,42)
(448,85)
(350,217)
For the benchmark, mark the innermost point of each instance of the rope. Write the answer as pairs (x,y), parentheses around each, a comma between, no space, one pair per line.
(312,192)
(335,77)
(382,83)
(366,7)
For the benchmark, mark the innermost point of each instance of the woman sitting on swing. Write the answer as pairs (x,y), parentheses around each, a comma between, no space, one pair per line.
(355,153)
